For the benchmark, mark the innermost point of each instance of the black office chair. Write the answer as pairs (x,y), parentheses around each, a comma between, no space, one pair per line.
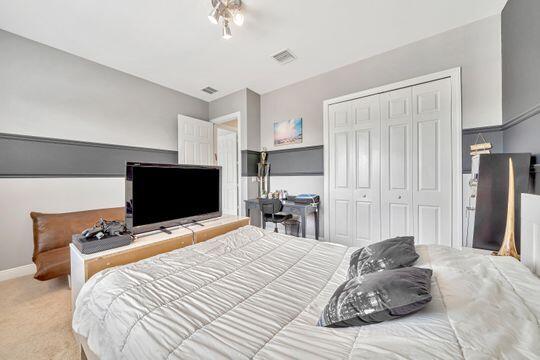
(270,209)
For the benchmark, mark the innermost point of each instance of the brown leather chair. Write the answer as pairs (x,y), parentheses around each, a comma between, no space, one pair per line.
(52,236)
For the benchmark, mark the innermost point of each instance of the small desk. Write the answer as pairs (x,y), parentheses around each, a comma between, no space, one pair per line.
(290,207)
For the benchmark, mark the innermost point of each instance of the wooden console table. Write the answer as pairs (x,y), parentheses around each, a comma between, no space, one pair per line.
(146,245)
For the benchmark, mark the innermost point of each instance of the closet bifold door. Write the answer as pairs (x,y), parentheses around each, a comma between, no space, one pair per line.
(432,165)
(354,142)
(396,163)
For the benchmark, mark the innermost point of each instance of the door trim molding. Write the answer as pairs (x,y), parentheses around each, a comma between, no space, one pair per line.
(455,77)
(223,119)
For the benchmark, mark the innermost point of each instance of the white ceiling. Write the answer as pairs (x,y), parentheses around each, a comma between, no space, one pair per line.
(171,42)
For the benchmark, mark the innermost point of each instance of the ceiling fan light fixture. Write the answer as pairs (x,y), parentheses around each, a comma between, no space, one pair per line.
(238,18)
(226,31)
(225,12)
(213,17)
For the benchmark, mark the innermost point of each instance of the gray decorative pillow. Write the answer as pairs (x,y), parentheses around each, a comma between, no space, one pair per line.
(385,255)
(378,297)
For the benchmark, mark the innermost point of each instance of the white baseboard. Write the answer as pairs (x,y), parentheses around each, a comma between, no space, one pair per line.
(17,272)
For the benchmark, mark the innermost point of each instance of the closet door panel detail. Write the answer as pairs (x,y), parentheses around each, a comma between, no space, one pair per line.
(398,161)
(363,159)
(364,218)
(341,154)
(399,220)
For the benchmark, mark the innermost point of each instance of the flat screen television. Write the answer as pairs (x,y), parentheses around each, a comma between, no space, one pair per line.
(161,195)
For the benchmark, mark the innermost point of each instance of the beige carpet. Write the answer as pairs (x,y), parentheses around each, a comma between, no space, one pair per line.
(35,320)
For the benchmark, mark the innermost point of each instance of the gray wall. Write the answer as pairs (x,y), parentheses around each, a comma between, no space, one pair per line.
(228,104)
(475,47)
(253,110)
(50,93)
(495,137)
(521,76)
(520,22)
(524,137)
(248,103)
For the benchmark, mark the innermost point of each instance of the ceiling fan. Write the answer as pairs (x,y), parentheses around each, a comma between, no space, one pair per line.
(225,11)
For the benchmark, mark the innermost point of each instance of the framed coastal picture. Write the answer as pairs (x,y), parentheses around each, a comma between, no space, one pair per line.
(288,132)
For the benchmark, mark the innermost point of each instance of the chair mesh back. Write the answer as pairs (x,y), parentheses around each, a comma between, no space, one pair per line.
(270,206)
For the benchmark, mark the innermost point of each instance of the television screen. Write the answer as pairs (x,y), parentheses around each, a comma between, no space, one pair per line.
(160,195)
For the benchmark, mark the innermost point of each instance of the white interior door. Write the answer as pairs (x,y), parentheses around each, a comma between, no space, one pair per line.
(195,141)
(396,163)
(227,159)
(432,159)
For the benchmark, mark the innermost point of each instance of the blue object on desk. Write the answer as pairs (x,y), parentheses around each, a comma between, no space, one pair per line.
(307,199)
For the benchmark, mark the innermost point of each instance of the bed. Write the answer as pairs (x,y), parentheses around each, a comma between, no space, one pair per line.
(252,293)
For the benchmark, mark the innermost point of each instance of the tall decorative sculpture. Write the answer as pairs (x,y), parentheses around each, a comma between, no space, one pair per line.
(263,175)
(508,246)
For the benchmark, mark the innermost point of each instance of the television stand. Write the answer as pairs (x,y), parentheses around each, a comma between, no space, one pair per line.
(145,245)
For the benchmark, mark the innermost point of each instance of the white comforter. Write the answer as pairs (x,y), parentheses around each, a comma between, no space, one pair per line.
(256,294)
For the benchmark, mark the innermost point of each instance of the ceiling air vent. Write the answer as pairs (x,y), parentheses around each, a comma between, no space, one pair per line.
(209,90)
(284,56)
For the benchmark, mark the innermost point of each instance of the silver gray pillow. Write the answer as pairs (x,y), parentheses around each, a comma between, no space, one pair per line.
(385,255)
(378,297)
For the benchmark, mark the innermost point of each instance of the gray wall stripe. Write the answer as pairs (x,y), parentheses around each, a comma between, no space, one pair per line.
(30,156)
(304,161)
(475,131)
(508,124)
(297,161)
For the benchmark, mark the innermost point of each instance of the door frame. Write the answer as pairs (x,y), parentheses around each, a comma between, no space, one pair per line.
(454,75)
(223,119)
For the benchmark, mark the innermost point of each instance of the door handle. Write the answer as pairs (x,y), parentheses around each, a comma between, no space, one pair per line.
(399,197)
(364,196)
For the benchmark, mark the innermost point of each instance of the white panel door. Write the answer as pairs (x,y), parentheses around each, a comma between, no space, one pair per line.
(396,163)
(432,162)
(226,158)
(195,141)
(365,123)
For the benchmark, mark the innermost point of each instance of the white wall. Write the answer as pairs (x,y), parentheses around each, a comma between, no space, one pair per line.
(476,48)
(18,197)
